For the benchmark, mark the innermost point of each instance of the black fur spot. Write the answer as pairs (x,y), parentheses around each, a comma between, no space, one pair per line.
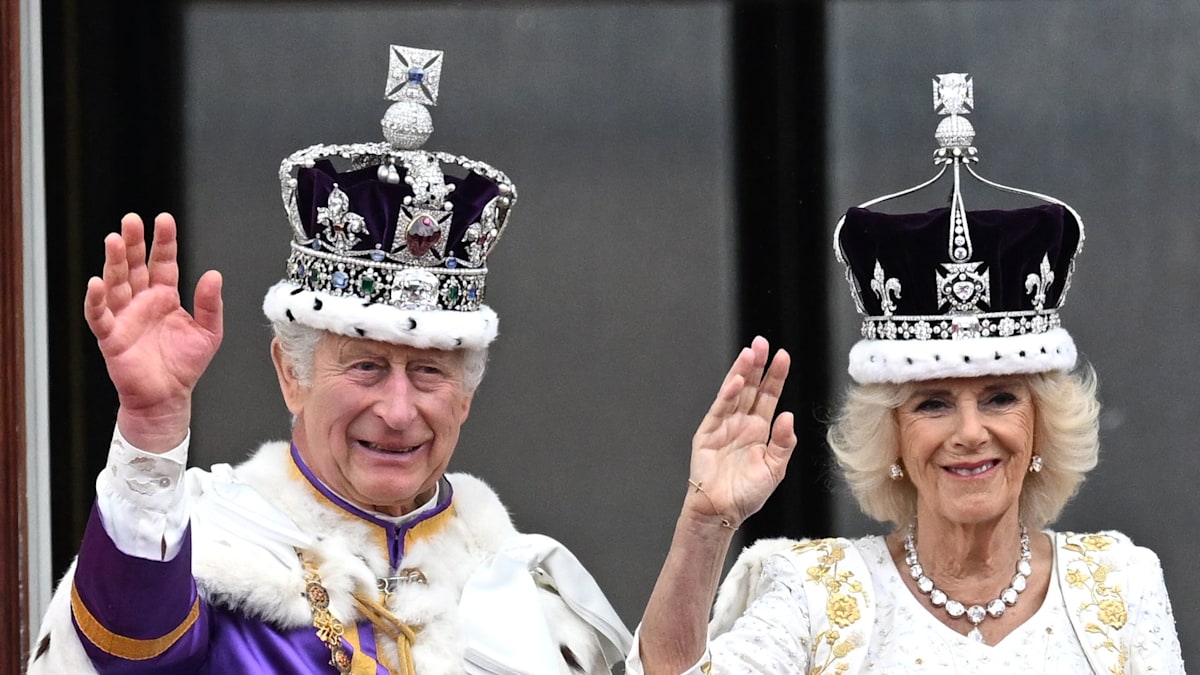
(360,331)
(1022,353)
(909,359)
(42,648)
(317,304)
(997,356)
(1043,350)
(570,658)
(412,324)
(288,312)
(966,359)
(457,342)
(937,357)
(296,291)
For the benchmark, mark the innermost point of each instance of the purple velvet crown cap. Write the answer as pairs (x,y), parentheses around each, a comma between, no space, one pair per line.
(377,259)
(910,247)
(928,315)
(379,203)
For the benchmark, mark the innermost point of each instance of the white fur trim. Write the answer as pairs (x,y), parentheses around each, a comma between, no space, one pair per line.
(242,575)
(741,585)
(874,361)
(347,315)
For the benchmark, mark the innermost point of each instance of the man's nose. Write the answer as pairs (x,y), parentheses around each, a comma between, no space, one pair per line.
(396,405)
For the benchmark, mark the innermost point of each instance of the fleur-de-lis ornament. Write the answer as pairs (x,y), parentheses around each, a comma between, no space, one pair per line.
(342,227)
(884,288)
(1037,284)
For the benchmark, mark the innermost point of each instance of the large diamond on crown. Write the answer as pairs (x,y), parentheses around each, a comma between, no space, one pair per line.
(964,287)
(414,289)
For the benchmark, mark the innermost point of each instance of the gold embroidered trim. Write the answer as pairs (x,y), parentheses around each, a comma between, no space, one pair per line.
(329,629)
(120,646)
(830,647)
(1106,613)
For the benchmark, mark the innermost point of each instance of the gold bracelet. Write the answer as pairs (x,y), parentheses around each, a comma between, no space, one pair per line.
(699,485)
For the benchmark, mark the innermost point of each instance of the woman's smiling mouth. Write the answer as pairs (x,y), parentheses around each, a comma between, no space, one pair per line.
(968,471)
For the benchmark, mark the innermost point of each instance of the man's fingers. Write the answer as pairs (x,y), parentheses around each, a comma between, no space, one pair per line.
(95,309)
(134,236)
(208,305)
(116,273)
(164,269)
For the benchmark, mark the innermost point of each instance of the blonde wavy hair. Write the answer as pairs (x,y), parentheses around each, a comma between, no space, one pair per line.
(865,440)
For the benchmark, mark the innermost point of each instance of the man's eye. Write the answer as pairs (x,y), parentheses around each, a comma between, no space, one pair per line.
(366,366)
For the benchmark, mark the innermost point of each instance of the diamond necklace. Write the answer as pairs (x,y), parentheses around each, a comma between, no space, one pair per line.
(975,613)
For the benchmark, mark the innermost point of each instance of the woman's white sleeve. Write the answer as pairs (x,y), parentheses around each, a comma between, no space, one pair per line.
(1155,642)
(771,636)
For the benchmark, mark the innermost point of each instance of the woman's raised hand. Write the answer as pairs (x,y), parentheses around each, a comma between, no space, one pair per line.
(154,350)
(738,454)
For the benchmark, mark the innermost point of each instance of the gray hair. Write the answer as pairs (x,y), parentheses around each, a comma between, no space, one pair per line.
(865,439)
(299,345)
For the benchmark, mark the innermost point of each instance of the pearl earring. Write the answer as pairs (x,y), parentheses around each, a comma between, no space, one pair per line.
(897,472)
(1036,464)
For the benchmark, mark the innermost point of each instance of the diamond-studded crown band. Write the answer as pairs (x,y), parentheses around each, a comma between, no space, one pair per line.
(943,327)
(401,286)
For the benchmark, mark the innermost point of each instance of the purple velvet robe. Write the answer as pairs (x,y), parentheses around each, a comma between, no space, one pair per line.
(143,616)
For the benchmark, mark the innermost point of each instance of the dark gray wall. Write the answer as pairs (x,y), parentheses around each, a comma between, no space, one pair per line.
(1095,103)
(613,281)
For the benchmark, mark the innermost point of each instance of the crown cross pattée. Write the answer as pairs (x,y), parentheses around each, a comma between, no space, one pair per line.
(342,228)
(965,287)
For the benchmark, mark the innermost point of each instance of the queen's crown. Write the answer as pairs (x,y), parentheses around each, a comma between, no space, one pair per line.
(952,273)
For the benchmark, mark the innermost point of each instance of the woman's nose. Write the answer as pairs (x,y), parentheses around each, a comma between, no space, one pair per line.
(970,432)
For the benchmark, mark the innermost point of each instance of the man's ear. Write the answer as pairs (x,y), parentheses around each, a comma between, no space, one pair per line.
(289,384)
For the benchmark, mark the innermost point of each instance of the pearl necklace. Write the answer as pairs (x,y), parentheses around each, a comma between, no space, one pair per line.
(975,613)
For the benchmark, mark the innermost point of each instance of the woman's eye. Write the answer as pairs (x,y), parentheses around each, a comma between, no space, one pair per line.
(1003,398)
(932,404)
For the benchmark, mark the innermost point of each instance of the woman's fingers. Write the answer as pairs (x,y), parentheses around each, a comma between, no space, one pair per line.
(725,404)
(771,386)
(752,372)
(783,438)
